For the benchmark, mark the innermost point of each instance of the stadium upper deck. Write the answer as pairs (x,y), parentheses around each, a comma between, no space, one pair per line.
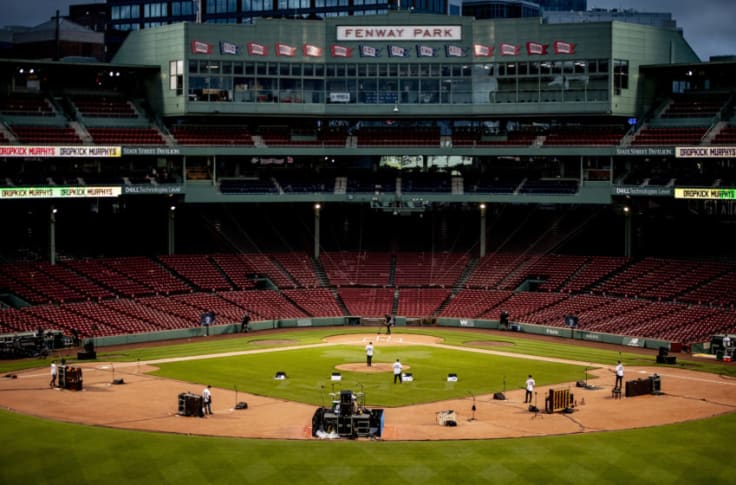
(398,111)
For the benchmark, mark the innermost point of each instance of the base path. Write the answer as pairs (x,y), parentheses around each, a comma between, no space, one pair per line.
(147,402)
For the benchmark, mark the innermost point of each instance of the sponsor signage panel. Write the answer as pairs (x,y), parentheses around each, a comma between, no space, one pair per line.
(7,193)
(705,193)
(706,152)
(28,151)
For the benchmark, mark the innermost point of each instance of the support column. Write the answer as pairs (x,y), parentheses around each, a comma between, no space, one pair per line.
(172,231)
(52,236)
(627,231)
(317,208)
(482,230)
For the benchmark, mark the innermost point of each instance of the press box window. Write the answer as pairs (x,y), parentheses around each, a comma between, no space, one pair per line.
(620,75)
(176,76)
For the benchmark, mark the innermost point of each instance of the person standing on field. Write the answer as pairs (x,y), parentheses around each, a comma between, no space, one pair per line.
(530,383)
(54,372)
(207,400)
(397,371)
(619,375)
(369,353)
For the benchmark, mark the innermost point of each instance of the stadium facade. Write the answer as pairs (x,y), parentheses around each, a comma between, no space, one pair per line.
(402,114)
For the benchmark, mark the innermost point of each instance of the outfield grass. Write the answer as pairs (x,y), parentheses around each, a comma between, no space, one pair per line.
(36,451)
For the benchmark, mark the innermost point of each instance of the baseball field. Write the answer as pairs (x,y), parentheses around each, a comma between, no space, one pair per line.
(131,432)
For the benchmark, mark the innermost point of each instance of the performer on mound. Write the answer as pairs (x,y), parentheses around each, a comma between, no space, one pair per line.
(397,371)
(369,353)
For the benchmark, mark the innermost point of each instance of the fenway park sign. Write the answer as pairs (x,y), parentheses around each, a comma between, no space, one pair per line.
(399,32)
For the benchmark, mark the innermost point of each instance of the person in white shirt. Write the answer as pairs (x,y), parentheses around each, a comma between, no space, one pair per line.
(369,353)
(530,383)
(619,375)
(53,374)
(207,400)
(397,371)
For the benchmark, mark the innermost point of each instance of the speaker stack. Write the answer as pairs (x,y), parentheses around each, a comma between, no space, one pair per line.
(638,387)
(346,403)
(70,378)
(663,357)
(191,404)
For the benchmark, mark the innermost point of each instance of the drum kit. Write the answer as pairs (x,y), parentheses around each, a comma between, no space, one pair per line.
(347,403)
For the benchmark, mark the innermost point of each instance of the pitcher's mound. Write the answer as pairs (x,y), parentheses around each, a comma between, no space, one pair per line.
(376,367)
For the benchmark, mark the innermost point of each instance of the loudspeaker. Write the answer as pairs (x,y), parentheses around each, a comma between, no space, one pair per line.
(241,405)
(118,381)
(638,387)
(190,404)
(656,384)
(498,396)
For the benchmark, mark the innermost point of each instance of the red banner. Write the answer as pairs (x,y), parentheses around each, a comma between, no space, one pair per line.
(480,50)
(341,51)
(285,50)
(256,49)
(509,49)
(535,48)
(564,47)
(201,47)
(311,50)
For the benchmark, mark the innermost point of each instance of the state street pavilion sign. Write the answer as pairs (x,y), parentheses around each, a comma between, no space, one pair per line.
(399,32)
